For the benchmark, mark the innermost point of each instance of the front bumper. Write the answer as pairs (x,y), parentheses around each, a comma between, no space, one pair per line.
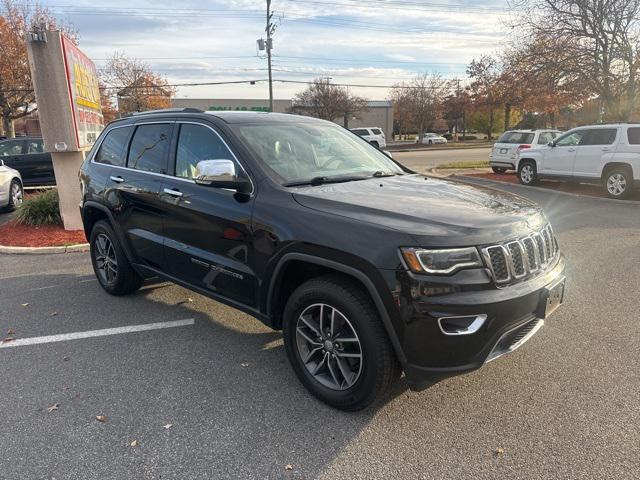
(513,315)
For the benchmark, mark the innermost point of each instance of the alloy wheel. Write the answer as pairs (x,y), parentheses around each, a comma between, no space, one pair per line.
(616,184)
(329,346)
(106,261)
(526,174)
(16,195)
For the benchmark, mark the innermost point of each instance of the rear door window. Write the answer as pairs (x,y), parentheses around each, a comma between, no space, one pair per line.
(35,146)
(633,135)
(360,132)
(149,147)
(599,136)
(376,131)
(113,147)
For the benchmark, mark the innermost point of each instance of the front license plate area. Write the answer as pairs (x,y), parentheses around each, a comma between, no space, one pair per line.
(551,299)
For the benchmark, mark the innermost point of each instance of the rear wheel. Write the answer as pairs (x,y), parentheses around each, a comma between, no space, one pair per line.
(110,264)
(337,344)
(527,173)
(498,169)
(618,183)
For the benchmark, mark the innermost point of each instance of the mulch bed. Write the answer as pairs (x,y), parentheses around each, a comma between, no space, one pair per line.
(570,187)
(15,235)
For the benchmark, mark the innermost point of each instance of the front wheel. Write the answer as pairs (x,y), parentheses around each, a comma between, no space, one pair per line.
(110,264)
(337,344)
(618,183)
(527,173)
(16,196)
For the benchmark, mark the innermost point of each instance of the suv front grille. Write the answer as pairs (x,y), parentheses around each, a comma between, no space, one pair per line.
(518,259)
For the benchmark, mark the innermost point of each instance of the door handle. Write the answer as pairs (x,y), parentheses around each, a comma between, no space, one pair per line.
(571,150)
(116,179)
(173,193)
(606,149)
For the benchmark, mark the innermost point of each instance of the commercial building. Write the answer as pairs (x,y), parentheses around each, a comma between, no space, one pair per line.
(379,113)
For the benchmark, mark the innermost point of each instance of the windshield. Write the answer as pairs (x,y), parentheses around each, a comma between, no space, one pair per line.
(306,152)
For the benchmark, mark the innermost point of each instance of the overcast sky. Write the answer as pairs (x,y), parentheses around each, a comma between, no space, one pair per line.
(373,42)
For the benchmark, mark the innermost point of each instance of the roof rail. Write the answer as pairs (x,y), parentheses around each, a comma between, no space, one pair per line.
(164,110)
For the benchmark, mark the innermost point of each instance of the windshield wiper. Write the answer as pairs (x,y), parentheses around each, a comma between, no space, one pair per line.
(322,180)
(380,173)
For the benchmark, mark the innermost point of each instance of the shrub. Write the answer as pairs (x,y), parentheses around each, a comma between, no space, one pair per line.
(469,137)
(40,209)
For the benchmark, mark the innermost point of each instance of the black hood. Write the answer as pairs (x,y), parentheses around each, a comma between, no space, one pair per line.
(428,207)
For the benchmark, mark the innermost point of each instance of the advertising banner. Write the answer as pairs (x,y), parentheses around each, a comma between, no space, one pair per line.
(84,94)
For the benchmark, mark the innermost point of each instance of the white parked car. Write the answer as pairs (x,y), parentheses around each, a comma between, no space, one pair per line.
(11,192)
(373,135)
(431,138)
(504,153)
(607,154)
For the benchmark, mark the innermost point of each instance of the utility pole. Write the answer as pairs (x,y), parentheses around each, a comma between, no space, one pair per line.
(270,29)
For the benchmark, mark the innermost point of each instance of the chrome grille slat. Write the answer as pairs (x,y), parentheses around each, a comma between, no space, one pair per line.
(521,258)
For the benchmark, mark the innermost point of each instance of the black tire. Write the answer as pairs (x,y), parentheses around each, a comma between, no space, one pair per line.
(125,280)
(528,173)
(617,182)
(498,169)
(378,368)
(430,142)
(11,206)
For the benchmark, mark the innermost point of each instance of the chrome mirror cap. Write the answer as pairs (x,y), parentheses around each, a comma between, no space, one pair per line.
(214,171)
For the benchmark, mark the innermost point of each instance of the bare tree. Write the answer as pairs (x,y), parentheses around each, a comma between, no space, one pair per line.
(137,87)
(427,92)
(402,101)
(17,98)
(323,99)
(600,46)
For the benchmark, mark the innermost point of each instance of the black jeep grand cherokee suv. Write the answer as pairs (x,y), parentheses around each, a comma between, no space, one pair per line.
(368,268)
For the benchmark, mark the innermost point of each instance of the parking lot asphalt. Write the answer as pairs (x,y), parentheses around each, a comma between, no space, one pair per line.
(564,406)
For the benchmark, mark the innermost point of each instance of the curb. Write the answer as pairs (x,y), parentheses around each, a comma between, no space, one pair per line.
(81,247)
(470,180)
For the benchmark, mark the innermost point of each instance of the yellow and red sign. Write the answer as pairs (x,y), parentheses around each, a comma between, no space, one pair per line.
(84,94)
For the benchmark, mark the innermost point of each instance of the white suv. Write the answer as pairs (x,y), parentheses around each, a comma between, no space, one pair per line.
(373,135)
(504,153)
(608,154)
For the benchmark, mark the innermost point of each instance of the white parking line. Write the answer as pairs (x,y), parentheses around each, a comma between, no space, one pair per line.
(21,342)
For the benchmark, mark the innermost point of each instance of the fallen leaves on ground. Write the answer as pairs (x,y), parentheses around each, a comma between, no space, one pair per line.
(53,407)
(53,314)
(11,331)
(499,451)
(134,444)
(167,426)
(288,467)
(65,359)
(7,339)
(24,304)
(244,364)
(101,418)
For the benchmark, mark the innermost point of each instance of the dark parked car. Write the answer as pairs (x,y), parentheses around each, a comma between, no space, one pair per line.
(368,268)
(27,155)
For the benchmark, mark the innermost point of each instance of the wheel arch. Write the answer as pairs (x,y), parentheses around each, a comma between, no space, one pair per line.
(316,266)
(93,212)
(611,165)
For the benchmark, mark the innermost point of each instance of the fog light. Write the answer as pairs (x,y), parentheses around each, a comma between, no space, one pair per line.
(461,325)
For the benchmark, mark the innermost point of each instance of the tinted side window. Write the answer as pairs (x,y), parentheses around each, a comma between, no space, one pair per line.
(376,131)
(196,143)
(599,136)
(360,131)
(35,146)
(149,147)
(544,138)
(633,134)
(113,147)
(12,147)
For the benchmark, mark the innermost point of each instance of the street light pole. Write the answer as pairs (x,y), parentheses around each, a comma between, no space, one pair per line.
(270,29)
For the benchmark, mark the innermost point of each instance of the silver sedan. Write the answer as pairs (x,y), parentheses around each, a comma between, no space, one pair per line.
(11,191)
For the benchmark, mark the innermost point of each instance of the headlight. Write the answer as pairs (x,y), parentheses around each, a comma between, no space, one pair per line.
(441,261)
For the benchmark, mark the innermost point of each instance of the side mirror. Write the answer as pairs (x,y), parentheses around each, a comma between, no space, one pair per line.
(220,174)
(551,144)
